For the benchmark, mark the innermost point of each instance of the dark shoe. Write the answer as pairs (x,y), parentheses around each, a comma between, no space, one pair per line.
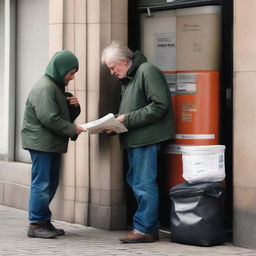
(139,238)
(41,231)
(59,231)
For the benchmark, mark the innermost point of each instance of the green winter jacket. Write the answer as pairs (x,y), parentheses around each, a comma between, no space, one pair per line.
(146,104)
(46,123)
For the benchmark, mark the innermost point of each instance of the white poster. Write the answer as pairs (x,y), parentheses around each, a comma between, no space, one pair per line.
(165,51)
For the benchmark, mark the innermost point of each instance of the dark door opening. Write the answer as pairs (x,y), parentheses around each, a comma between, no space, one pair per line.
(135,42)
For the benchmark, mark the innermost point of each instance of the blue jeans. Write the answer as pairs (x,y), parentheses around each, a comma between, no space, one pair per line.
(141,177)
(44,183)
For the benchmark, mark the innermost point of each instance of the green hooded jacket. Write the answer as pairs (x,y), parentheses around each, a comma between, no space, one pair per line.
(146,103)
(46,124)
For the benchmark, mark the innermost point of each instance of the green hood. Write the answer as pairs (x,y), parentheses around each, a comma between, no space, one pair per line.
(60,64)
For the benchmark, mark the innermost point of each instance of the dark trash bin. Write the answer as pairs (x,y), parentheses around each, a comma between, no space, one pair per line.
(197,214)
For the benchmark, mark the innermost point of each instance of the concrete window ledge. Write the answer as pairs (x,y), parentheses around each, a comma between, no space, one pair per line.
(14,184)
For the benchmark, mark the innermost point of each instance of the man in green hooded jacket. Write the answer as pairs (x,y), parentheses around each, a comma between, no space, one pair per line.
(47,127)
(146,111)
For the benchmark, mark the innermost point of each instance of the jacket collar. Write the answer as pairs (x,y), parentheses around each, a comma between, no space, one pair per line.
(137,59)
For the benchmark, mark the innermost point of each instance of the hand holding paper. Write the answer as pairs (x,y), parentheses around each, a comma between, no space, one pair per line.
(107,122)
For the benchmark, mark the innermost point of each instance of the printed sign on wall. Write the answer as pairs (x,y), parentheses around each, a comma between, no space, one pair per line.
(165,51)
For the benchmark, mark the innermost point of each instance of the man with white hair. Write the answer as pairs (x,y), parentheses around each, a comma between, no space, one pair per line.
(146,111)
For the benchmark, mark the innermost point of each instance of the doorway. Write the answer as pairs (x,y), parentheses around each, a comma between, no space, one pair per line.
(164,46)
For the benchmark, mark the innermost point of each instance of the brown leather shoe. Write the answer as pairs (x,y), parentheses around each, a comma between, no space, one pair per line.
(139,238)
(59,231)
(40,230)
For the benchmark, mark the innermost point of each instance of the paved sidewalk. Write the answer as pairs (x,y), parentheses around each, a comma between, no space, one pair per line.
(81,240)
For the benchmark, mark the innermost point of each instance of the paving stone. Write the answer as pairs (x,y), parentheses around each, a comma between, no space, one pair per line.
(89,241)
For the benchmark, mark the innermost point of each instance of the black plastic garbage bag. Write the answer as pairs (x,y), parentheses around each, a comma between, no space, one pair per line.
(197,213)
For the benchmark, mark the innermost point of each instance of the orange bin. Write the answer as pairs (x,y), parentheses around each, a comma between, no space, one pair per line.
(171,163)
(171,168)
(197,108)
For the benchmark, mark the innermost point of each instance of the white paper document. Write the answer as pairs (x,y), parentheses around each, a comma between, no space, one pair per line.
(108,122)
